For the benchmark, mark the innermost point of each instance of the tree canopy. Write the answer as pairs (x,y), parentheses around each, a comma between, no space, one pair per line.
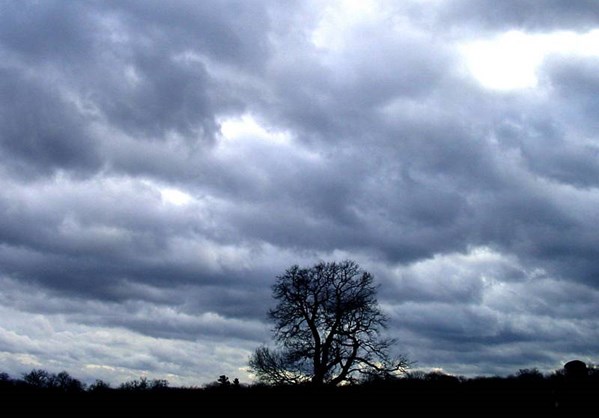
(328,328)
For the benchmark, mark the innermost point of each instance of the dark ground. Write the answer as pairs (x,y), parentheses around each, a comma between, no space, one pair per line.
(444,395)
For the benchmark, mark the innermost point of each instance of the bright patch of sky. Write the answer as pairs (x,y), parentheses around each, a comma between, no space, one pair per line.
(511,60)
(175,196)
(247,127)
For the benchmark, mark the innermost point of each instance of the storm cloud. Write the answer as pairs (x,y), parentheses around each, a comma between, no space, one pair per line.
(162,162)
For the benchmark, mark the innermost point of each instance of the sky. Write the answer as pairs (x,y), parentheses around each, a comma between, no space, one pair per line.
(162,162)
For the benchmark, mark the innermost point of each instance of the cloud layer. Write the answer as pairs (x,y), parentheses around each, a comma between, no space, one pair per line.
(161,163)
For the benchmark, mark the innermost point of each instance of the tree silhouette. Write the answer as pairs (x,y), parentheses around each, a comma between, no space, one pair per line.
(144,384)
(99,386)
(530,375)
(66,382)
(39,378)
(223,380)
(328,325)
(44,380)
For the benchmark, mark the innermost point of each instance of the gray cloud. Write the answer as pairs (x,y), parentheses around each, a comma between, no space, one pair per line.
(138,69)
(41,131)
(161,163)
(525,15)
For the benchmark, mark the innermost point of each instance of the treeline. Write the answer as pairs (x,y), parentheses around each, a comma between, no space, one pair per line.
(39,379)
(561,392)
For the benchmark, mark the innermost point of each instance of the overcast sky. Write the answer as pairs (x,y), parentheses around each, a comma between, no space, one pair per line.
(162,161)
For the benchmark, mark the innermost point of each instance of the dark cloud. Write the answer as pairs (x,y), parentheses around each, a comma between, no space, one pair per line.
(41,131)
(138,69)
(43,32)
(530,15)
(162,162)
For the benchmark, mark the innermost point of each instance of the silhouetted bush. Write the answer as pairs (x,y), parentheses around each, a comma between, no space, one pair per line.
(530,375)
(99,386)
(441,378)
(593,371)
(159,384)
(416,375)
(576,370)
(143,383)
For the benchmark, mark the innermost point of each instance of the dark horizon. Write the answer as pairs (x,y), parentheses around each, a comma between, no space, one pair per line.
(63,380)
(565,391)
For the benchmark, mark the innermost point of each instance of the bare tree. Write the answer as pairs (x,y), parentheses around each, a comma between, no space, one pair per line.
(64,381)
(39,378)
(328,326)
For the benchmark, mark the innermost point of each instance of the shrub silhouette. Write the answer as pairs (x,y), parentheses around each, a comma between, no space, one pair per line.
(576,370)
(99,386)
(143,384)
(530,375)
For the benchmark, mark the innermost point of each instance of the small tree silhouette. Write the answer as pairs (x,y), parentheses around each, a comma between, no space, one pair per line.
(5,381)
(530,375)
(65,382)
(39,378)
(159,384)
(143,383)
(576,370)
(98,386)
(223,381)
(136,384)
